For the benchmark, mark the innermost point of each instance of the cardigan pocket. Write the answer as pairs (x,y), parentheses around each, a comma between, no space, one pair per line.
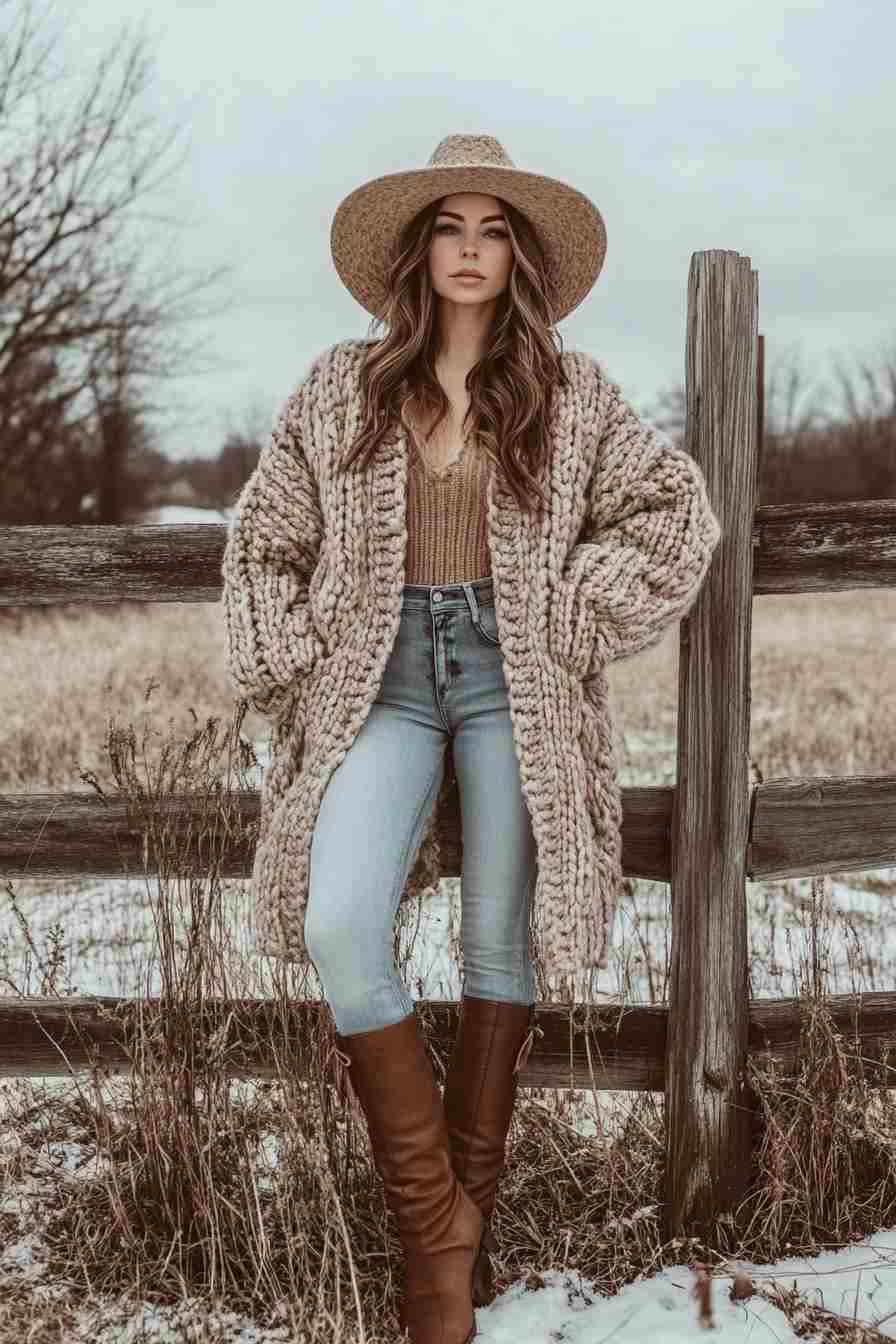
(286,750)
(565,637)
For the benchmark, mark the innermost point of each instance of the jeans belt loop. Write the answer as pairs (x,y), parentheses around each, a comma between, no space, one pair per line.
(472,602)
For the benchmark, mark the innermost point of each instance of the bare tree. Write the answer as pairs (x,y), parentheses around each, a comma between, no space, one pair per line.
(70,295)
(669,413)
(882,401)
(785,383)
(810,454)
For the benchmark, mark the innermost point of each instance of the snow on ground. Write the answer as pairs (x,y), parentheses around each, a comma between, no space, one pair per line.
(183,513)
(106,918)
(109,924)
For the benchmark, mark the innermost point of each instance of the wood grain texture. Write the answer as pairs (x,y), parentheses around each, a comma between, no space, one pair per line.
(797,828)
(708,1120)
(610,1046)
(797,548)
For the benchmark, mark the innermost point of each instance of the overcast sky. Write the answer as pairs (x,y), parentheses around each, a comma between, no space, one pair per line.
(765,127)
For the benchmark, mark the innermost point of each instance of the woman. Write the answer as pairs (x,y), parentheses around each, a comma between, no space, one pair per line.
(451,532)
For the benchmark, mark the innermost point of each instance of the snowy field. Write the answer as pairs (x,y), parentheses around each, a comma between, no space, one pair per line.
(109,936)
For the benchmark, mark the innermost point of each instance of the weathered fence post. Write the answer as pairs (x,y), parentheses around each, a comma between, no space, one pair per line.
(707,1100)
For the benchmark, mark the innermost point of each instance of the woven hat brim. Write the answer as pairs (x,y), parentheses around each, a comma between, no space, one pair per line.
(368,221)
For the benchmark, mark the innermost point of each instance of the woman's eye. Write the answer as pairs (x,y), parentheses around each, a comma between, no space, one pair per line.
(499,233)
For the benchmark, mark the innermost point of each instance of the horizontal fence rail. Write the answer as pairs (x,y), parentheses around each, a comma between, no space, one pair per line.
(621,1047)
(797,548)
(798,828)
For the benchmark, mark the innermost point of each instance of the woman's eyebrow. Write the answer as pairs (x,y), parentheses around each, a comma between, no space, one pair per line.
(485,219)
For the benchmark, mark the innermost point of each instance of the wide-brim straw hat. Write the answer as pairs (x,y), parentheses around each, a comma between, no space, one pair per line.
(368,222)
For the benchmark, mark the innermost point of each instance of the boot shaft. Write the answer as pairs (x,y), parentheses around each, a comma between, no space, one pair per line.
(393,1085)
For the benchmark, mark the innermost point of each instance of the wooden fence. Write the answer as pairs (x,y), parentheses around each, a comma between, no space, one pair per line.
(705,836)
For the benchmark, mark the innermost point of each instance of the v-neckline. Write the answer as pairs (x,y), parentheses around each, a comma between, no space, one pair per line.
(445,473)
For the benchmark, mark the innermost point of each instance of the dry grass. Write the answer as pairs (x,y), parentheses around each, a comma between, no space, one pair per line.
(210,1195)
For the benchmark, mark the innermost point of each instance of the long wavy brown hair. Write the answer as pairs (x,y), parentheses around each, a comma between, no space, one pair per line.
(511,388)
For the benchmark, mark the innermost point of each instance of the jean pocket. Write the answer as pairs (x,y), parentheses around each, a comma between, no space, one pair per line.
(488,624)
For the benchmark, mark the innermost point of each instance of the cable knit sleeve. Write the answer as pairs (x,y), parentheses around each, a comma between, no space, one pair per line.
(272,547)
(646,544)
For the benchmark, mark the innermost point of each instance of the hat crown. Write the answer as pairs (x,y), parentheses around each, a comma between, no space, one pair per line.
(470,151)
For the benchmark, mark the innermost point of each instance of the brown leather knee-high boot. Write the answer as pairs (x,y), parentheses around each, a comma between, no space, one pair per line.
(492,1045)
(439,1225)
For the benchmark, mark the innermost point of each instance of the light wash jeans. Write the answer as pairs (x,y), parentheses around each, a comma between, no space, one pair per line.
(444,678)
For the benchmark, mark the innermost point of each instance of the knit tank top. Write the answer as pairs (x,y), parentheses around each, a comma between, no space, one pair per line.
(447,518)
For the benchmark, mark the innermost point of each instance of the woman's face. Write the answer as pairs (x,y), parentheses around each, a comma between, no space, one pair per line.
(470,234)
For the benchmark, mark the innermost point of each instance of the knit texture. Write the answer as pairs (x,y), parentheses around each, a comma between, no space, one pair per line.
(447,518)
(313,571)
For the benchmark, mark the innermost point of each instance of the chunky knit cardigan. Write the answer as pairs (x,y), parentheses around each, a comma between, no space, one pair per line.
(313,571)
